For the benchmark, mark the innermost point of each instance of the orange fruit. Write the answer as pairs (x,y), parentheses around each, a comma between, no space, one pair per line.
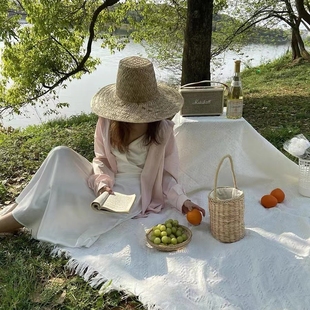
(268,201)
(194,217)
(278,193)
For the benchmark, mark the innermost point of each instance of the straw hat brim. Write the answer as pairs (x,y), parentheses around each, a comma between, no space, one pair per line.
(107,104)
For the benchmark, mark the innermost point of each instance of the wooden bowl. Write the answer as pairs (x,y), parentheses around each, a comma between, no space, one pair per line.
(170,247)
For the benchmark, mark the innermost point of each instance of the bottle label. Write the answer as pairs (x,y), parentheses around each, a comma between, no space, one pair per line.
(234,108)
(235,83)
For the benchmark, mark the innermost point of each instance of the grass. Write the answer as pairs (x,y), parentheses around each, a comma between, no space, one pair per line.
(277,100)
(30,279)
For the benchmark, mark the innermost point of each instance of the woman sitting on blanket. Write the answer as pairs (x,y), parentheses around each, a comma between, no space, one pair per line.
(135,153)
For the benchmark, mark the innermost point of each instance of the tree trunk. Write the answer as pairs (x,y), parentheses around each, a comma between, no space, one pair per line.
(300,5)
(297,44)
(301,45)
(197,41)
(294,44)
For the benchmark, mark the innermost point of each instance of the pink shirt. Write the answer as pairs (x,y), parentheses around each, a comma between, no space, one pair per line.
(159,177)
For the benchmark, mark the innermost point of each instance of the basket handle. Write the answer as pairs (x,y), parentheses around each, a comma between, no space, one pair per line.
(217,173)
(204,81)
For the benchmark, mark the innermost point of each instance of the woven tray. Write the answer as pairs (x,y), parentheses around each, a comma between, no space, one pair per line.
(170,247)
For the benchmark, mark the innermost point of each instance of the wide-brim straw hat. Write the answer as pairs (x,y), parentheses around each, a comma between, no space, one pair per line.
(136,97)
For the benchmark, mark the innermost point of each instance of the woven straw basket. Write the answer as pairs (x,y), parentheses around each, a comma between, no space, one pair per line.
(226,207)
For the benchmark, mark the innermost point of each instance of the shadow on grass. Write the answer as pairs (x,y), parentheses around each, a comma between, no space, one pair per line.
(30,279)
(278,118)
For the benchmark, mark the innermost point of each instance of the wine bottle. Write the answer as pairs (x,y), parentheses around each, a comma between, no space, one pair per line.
(235,97)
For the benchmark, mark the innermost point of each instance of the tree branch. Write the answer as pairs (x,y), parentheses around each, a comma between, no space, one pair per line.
(71,55)
(250,22)
(305,24)
(302,11)
(260,15)
(80,65)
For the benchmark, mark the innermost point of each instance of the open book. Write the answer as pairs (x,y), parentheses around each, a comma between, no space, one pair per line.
(116,202)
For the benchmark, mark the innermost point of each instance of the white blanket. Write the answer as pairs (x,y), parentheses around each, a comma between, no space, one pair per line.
(268,269)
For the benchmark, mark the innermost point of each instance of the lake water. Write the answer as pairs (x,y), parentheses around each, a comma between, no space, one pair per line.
(79,92)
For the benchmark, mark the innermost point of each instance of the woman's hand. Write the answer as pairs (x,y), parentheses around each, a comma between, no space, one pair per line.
(188,206)
(105,189)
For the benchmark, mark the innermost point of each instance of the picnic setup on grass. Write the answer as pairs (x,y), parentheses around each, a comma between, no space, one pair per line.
(248,252)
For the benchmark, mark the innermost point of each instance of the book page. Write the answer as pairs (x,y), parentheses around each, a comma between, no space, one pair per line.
(99,201)
(116,202)
(119,202)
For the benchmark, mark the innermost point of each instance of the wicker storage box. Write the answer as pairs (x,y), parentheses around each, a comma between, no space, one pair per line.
(202,100)
(226,208)
(304,177)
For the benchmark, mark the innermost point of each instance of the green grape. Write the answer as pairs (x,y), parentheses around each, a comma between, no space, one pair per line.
(174,240)
(184,236)
(162,227)
(175,223)
(157,240)
(180,239)
(163,234)
(157,232)
(179,232)
(165,240)
(169,225)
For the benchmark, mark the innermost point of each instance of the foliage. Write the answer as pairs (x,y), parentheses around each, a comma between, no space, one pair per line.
(8,22)
(2,191)
(264,35)
(51,49)
(161,27)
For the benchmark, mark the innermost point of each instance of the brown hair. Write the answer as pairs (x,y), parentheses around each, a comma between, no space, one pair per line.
(120,134)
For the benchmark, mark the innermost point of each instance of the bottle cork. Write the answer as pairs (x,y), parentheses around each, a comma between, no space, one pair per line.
(237,66)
